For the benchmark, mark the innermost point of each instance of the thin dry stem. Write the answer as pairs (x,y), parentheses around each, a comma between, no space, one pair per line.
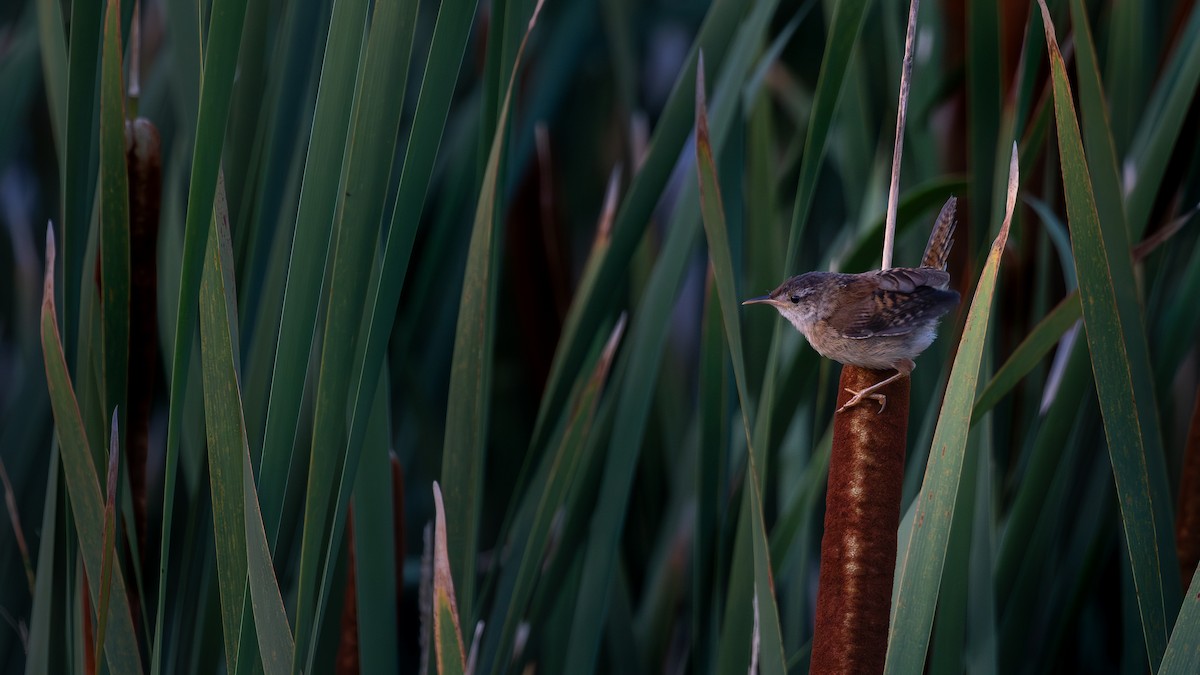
(889,232)
(11,500)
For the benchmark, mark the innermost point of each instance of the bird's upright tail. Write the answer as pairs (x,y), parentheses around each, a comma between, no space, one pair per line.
(942,238)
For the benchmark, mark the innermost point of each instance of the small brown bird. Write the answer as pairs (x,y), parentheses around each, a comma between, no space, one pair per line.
(882,319)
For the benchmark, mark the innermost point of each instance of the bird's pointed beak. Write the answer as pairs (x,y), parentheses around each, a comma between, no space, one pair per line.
(760,300)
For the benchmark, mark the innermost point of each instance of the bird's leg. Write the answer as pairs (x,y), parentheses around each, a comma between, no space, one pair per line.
(903,368)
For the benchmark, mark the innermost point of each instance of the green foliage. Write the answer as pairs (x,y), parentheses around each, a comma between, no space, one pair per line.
(416,274)
(922,556)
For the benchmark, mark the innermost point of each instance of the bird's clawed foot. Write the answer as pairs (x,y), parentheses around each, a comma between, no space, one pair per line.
(864,394)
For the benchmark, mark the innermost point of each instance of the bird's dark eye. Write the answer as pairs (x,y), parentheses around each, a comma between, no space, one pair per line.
(795,299)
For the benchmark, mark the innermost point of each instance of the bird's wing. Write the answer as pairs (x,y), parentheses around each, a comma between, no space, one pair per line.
(909,279)
(902,303)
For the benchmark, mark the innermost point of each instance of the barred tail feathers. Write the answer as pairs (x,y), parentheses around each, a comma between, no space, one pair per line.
(941,239)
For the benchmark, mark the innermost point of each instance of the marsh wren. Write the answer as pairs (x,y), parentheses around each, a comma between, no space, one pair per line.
(880,320)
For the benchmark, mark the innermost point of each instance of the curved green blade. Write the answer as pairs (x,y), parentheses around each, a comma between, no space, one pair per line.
(766,635)
(1112,317)
(241,543)
(923,555)
(83,486)
(1183,651)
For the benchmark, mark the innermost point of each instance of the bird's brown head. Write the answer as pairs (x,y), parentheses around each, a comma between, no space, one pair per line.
(798,299)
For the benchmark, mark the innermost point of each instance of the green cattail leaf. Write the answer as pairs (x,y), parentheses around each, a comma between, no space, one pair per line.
(87,506)
(766,635)
(1112,317)
(243,555)
(923,555)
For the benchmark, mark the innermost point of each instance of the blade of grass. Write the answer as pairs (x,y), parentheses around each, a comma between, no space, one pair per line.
(470,377)
(766,612)
(844,28)
(1051,442)
(109,550)
(521,512)
(1028,354)
(534,470)
(1130,67)
(286,125)
(529,544)
(374,132)
(1101,150)
(43,647)
(238,531)
(82,484)
(1120,361)
(310,247)
(19,78)
(561,54)
(220,395)
(1179,320)
(447,635)
(641,361)
(186,50)
(1183,650)
(503,20)
(592,303)
(114,215)
(984,101)
(14,519)
(219,63)
(1060,238)
(711,476)
(291,93)
(560,579)
(53,44)
(248,115)
(923,555)
(1053,326)
(948,644)
(270,618)
(376,548)
(1161,124)
(1084,545)
(791,529)
(425,136)
(445,56)
(763,238)
(79,169)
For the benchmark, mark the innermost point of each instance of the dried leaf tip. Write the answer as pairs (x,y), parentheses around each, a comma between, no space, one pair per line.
(48,283)
(533,19)
(1048,24)
(473,657)
(1149,244)
(114,453)
(608,212)
(443,581)
(610,347)
(441,567)
(1014,179)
